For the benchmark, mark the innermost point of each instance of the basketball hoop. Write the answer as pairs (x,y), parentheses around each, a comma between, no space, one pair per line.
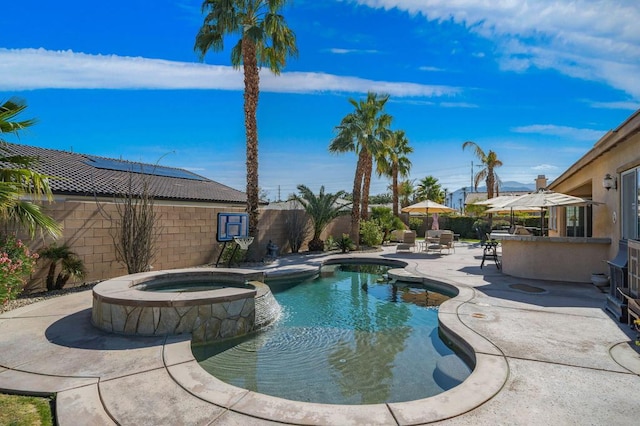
(243,242)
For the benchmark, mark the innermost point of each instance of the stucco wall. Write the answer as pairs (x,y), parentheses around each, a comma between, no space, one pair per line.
(555,259)
(187,236)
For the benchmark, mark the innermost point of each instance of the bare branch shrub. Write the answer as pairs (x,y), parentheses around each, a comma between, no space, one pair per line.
(134,229)
(298,227)
(135,239)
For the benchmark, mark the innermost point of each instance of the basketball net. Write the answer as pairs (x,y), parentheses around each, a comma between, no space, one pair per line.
(243,242)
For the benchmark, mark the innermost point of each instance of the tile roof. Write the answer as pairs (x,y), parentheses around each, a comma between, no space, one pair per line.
(86,175)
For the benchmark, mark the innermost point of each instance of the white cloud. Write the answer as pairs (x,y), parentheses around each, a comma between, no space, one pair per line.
(431,69)
(562,131)
(341,51)
(628,105)
(29,69)
(597,40)
(545,167)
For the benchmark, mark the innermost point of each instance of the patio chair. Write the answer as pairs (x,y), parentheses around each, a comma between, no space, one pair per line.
(408,241)
(633,306)
(521,230)
(396,235)
(446,241)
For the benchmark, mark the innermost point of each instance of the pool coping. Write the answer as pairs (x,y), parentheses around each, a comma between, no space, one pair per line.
(488,377)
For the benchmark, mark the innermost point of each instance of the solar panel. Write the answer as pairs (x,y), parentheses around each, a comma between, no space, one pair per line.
(146,169)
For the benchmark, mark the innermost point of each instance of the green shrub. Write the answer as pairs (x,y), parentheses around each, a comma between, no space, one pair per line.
(463,225)
(415,223)
(370,233)
(16,264)
(329,243)
(227,254)
(344,243)
(385,219)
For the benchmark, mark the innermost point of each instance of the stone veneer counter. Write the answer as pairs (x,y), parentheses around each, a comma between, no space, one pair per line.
(128,304)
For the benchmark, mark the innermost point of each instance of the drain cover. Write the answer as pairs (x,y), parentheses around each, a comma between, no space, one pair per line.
(527,288)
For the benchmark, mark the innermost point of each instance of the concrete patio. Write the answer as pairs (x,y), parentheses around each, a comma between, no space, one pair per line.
(546,353)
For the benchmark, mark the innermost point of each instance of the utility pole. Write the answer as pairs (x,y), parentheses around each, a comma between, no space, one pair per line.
(464,199)
(471,187)
(279,199)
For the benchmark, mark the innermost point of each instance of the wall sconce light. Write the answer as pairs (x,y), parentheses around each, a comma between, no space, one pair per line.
(609,182)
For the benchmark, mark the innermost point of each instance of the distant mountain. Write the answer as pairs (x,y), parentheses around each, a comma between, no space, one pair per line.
(505,189)
(515,186)
(509,186)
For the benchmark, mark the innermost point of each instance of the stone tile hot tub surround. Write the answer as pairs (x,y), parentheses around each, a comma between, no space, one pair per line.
(121,305)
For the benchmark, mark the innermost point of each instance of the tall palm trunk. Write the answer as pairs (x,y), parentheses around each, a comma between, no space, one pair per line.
(366,185)
(394,184)
(252,89)
(357,187)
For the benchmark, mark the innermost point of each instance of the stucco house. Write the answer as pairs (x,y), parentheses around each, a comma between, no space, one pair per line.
(85,188)
(594,238)
(609,173)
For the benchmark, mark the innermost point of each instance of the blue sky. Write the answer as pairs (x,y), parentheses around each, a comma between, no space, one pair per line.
(537,81)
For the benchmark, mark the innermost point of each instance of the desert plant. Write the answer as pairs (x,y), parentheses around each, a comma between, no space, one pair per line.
(330,243)
(263,39)
(344,243)
(71,265)
(322,209)
(362,132)
(297,227)
(231,256)
(16,263)
(20,184)
(370,233)
(134,227)
(385,219)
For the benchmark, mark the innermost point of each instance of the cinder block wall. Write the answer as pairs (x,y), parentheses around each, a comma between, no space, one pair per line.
(187,236)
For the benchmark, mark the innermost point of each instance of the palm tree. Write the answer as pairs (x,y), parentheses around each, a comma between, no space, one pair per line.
(393,162)
(264,40)
(363,132)
(490,162)
(430,189)
(18,180)
(72,265)
(405,191)
(322,209)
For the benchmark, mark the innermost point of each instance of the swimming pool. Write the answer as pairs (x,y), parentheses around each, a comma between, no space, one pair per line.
(351,337)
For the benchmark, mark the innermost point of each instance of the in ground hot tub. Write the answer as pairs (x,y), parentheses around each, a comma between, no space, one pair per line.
(211,304)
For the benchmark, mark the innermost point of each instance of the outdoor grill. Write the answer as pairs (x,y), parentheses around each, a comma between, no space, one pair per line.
(618,277)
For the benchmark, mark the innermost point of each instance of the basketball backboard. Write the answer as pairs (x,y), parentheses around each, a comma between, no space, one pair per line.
(232,225)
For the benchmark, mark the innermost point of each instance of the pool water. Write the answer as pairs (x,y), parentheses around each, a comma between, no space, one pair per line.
(350,338)
(187,286)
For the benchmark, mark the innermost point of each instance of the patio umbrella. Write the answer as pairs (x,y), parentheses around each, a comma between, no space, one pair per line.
(426,207)
(497,205)
(499,201)
(543,199)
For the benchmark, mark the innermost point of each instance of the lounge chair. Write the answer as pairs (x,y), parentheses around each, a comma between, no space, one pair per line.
(446,241)
(408,241)
(521,230)
(396,235)
(633,306)
(432,239)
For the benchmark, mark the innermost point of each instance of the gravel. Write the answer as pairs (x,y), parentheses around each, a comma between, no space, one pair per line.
(38,297)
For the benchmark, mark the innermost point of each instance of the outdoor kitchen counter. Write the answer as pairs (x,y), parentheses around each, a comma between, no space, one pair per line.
(571,259)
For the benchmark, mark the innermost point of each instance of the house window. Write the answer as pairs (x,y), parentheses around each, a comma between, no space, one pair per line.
(578,220)
(629,210)
(553,218)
